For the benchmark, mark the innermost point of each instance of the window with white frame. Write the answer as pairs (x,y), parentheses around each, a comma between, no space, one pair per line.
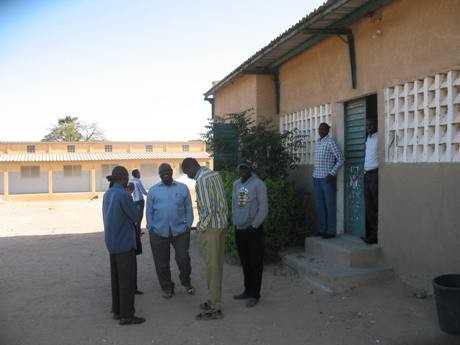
(72,170)
(30,171)
(422,120)
(306,121)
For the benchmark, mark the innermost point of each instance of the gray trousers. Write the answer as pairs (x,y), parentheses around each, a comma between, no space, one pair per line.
(161,256)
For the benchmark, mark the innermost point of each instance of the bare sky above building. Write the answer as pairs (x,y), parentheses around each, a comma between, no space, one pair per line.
(137,68)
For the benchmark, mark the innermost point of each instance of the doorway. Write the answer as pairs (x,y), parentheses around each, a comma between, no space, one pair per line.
(356,113)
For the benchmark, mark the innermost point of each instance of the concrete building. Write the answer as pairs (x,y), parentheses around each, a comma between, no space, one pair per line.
(42,170)
(348,60)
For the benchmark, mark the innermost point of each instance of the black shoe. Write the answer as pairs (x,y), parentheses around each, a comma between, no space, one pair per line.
(251,302)
(328,236)
(168,294)
(138,292)
(243,295)
(132,321)
(369,240)
(190,290)
(116,316)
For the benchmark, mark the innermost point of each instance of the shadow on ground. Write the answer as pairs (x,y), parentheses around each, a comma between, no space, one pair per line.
(54,290)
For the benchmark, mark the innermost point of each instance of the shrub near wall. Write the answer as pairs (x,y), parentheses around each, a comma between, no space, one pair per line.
(285,225)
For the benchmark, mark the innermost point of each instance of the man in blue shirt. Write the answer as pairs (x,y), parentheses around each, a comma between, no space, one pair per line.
(169,219)
(120,216)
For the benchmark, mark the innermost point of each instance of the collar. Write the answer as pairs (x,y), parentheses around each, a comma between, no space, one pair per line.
(200,172)
(325,137)
(162,183)
(118,185)
(248,180)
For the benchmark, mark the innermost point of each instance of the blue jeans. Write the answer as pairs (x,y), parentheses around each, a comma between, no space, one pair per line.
(325,198)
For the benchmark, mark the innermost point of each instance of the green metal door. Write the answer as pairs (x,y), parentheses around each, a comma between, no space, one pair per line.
(355,138)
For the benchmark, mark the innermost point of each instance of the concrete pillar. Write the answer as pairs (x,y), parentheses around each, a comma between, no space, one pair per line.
(5,185)
(93,180)
(50,181)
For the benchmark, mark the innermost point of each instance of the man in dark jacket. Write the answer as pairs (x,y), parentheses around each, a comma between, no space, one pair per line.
(120,217)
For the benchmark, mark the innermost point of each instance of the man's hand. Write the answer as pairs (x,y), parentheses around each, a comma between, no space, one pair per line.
(330,178)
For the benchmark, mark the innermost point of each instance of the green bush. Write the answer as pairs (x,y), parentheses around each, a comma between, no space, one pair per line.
(285,225)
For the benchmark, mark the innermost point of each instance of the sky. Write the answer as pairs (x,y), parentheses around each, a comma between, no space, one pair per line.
(137,68)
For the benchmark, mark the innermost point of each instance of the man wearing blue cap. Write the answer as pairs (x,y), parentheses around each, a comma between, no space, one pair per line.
(249,210)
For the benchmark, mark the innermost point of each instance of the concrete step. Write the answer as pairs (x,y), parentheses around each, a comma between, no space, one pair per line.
(344,250)
(332,277)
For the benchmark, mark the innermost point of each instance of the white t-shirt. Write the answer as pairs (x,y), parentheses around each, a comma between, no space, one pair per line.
(371,160)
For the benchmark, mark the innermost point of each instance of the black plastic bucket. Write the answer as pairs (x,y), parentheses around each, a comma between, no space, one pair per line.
(447,296)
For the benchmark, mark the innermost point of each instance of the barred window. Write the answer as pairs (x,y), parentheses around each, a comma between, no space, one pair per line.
(30,171)
(71,148)
(148,148)
(108,148)
(185,148)
(30,148)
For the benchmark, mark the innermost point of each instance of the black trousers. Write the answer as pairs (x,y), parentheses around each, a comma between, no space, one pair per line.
(122,270)
(371,193)
(251,246)
(140,206)
(161,257)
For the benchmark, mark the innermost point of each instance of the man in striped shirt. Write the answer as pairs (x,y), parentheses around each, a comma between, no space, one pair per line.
(213,214)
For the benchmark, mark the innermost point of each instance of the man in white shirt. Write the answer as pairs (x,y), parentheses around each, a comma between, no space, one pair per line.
(138,198)
(371,181)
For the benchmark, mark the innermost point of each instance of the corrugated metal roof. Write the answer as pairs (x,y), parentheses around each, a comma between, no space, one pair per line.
(333,14)
(98,156)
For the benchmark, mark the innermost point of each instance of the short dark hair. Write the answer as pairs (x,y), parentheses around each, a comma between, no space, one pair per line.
(135,172)
(118,174)
(163,167)
(189,162)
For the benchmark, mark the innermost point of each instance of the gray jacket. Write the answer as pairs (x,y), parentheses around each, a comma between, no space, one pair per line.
(249,203)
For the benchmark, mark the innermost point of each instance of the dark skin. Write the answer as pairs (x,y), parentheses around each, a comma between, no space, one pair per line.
(137,174)
(245,173)
(191,169)
(166,174)
(323,130)
(371,126)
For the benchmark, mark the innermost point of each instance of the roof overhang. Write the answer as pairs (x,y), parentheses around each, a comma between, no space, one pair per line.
(332,18)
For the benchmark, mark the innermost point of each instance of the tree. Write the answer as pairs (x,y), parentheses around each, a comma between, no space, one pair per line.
(272,153)
(69,129)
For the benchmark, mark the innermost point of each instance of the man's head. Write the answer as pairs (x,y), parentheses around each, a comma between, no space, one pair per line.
(166,173)
(323,129)
(119,175)
(190,167)
(371,125)
(130,188)
(136,173)
(245,171)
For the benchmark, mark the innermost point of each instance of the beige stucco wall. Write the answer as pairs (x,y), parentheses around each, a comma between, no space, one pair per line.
(256,92)
(238,96)
(418,37)
(417,218)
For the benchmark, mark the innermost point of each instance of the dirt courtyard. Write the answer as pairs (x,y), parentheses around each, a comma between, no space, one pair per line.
(55,290)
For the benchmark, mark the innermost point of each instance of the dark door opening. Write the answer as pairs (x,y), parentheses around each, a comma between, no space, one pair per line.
(356,112)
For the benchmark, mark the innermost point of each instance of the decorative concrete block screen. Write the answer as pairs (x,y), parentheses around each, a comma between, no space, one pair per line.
(18,184)
(75,183)
(306,121)
(1,182)
(149,174)
(422,120)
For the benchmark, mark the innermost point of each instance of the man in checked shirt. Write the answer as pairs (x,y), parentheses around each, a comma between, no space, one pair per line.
(328,160)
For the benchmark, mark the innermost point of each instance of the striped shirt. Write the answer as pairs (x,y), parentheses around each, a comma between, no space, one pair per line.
(211,201)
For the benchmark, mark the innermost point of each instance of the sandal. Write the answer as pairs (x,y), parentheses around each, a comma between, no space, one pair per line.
(209,315)
(206,306)
(190,290)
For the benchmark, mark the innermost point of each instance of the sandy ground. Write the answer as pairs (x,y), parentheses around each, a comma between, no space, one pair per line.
(54,289)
